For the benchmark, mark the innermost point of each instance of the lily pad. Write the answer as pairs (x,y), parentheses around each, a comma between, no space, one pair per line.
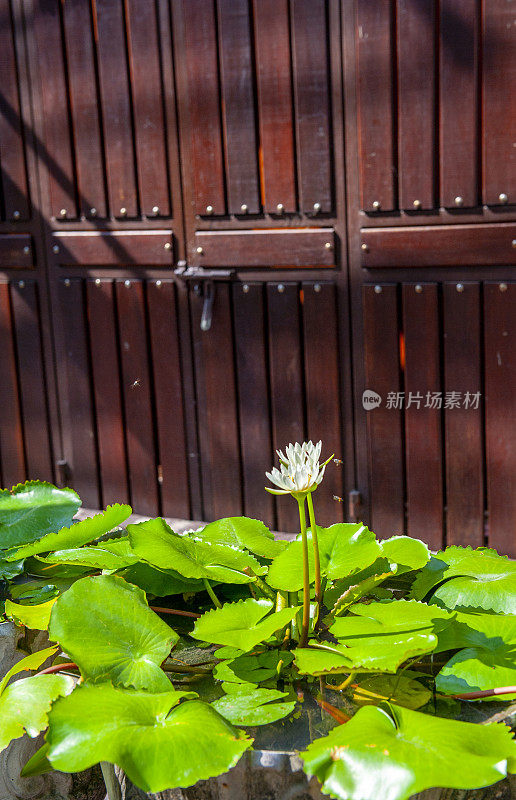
(158,743)
(243,624)
(407,553)
(36,617)
(332,659)
(32,509)
(393,753)
(402,689)
(160,582)
(258,707)
(105,625)
(252,668)
(114,555)
(242,532)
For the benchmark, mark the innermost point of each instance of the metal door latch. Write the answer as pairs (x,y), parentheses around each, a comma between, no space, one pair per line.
(207,308)
(204,286)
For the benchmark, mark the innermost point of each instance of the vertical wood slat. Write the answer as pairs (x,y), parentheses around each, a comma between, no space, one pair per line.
(34,408)
(252,373)
(458,102)
(416,103)
(147,96)
(168,386)
(12,457)
(322,390)
(219,439)
(137,397)
(286,382)
(80,50)
(499,101)
(423,425)
(236,75)
(56,154)
(384,424)
(106,388)
(311,91)
(79,402)
(275,103)
(205,134)
(375,104)
(12,155)
(500,400)
(463,425)
(116,105)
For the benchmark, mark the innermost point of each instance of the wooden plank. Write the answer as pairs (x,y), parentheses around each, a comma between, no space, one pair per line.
(106,391)
(113,248)
(286,382)
(82,459)
(137,397)
(253,394)
(205,135)
(321,362)
(33,389)
(56,153)
(275,104)
(16,251)
(12,456)
(80,48)
(375,105)
(116,109)
(500,402)
(385,422)
(220,448)
(149,119)
(433,246)
(416,103)
(168,393)
(463,423)
(306,247)
(422,422)
(499,102)
(236,77)
(12,152)
(312,104)
(458,98)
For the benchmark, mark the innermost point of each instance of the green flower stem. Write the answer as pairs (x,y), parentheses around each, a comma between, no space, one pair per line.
(112,785)
(212,594)
(317,560)
(268,592)
(306,574)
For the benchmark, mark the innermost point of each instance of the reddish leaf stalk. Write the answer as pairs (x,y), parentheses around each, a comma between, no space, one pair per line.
(176,611)
(486,693)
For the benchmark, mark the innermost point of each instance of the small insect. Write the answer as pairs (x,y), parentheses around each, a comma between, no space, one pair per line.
(338,499)
(338,461)
(136,383)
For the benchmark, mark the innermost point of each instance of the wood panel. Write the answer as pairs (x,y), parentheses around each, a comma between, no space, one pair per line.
(116,109)
(321,362)
(147,95)
(12,155)
(416,103)
(137,397)
(286,382)
(15,251)
(12,457)
(113,248)
(236,76)
(433,246)
(384,424)
(499,102)
(459,106)
(500,402)
(305,247)
(80,49)
(204,134)
(463,422)
(106,390)
(422,423)
(375,105)
(253,398)
(220,447)
(273,59)
(312,104)
(78,402)
(168,392)
(56,153)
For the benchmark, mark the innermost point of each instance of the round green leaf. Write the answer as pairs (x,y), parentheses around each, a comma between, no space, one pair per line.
(396,753)
(256,707)
(242,532)
(110,555)
(105,625)
(407,553)
(243,624)
(158,748)
(30,662)
(325,661)
(35,617)
(160,582)
(401,689)
(32,509)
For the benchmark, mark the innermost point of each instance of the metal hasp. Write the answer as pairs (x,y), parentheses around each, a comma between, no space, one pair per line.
(204,287)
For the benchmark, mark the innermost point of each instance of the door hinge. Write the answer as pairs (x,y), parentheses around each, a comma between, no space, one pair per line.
(354,505)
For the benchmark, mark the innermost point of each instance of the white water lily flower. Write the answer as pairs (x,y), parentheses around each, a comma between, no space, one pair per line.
(299,469)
